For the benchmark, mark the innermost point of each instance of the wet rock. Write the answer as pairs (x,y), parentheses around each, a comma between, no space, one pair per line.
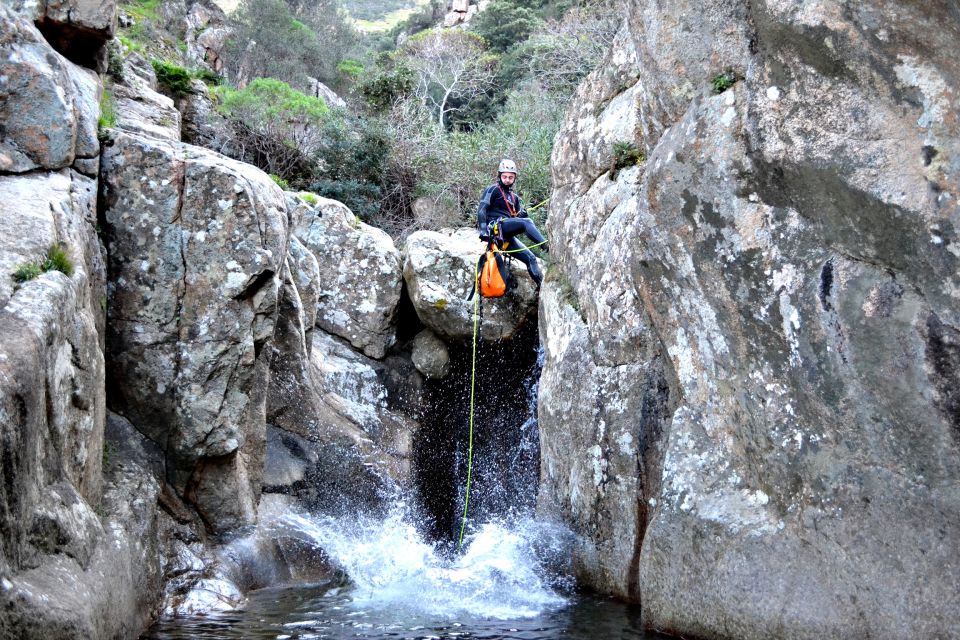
(778,293)
(192,311)
(439,270)
(430,355)
(360,276)
(49,106)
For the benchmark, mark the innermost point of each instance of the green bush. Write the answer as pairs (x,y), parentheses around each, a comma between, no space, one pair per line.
(310,198)
(268,100)
(385,85)
(27,271)
(351,160)
(625,154)
(350,68)
(504,24)
(55,260)
(283,184)
(173,78)
(723,81)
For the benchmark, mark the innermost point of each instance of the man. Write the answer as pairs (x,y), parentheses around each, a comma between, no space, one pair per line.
(501,214)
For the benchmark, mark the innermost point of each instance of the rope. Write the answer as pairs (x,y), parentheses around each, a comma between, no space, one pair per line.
(473,382)
(473,385)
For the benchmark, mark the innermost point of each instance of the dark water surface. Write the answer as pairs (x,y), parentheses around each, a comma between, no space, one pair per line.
(318,612)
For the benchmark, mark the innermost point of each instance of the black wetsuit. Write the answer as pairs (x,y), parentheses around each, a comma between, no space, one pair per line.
(499,202)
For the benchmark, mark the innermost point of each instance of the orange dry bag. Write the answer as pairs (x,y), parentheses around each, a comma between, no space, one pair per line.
(493,274)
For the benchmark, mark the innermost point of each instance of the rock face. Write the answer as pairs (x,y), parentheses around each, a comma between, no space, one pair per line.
(49,107)
(191,310)
(439,269)
(139,108)
(78,553)
(357,302)
(766,314)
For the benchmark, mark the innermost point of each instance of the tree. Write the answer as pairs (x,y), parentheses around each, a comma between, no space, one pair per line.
(451,67)
(274,127)
(504,24)
(288,40)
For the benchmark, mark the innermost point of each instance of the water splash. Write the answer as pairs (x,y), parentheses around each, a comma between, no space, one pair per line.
(505,572)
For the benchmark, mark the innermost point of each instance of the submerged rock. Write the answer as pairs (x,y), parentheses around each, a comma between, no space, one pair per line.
(764,314)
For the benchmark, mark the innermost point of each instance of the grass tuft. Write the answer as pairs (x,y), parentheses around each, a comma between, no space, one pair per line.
(723,81)
(56,260)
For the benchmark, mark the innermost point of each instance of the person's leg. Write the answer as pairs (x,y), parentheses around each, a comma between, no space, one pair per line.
(525,256)
(515,226)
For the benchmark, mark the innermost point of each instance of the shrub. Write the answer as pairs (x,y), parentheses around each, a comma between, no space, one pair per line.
(350,67)
(275,127)
(389,82)
(279,39)
(504,24)
(173,78)
(309,198)
(283,184)
(625,154)
(723,81)
(351,163)
(27,271)
(266,99)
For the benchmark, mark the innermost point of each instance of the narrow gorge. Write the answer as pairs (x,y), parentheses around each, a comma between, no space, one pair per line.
(733,405)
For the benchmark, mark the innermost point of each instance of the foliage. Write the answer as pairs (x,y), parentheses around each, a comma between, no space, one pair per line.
(283,184)
(505,23)
(351,161)
(55,260)
(115,59)
(450,66)
(275,127)
(172,77)
(27,271)
(309,198)
(625,154)
(108,117)
(350,67)
(452,168)
(390,81)
(267,99)
(144,32)
(289,40)
(723,81)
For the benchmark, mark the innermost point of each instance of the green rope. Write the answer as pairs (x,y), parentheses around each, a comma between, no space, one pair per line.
(473,386)
(534,208)
(473,381)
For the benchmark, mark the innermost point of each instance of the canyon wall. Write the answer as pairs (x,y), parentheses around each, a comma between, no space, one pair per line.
(755,225)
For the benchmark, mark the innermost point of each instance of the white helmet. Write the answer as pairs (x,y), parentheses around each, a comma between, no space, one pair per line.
(507,166)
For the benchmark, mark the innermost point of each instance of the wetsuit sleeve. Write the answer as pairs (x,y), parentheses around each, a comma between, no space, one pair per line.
(482,212)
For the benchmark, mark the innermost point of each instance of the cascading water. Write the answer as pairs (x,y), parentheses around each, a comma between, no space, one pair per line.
(401,576)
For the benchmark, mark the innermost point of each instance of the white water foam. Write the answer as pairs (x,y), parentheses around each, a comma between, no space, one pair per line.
(501,574)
